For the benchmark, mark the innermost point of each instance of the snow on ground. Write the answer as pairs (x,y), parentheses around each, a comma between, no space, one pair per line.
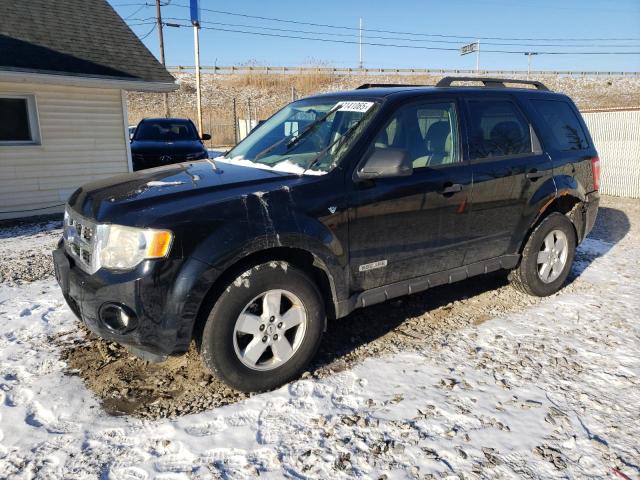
(552,391)
(28,247)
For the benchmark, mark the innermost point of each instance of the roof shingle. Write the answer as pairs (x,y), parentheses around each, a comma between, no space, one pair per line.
(73,37)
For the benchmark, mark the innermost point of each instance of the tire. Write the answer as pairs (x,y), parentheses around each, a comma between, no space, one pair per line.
(528,277)
(230,343)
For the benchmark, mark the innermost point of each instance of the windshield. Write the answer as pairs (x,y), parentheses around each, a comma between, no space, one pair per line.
(308,136)
(165,130)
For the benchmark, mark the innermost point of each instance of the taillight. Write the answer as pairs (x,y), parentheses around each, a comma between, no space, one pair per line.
(595,170)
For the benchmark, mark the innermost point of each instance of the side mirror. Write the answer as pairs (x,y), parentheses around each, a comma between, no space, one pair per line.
(206,136)
(385,163)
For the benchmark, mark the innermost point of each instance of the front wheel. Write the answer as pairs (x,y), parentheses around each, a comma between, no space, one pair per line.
(264,328)
(547,257)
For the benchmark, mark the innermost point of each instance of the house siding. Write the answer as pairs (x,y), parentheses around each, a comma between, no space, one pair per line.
(83,138)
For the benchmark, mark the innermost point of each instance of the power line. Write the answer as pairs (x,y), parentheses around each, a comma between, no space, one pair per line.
(141,23)
(353,35)
(136,12)
(345,27)
(149,32)
(393,45)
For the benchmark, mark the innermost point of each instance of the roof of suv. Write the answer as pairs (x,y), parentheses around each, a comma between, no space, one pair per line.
(492,86)
(410,91)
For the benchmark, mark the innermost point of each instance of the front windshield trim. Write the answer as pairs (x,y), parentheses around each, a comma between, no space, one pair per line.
(273,135)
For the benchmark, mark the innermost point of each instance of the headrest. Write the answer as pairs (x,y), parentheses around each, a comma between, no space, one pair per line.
(506,130)
(437,137)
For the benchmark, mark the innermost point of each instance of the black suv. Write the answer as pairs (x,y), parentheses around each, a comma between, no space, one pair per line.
(338,201)
(157,142)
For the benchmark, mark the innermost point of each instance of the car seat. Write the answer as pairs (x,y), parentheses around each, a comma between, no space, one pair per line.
(438,145)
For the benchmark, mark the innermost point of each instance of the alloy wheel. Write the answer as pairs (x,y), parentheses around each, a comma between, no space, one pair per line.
(552,257)
(270,330)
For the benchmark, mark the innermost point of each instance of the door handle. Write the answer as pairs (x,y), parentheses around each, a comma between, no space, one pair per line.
(448,189)
(534,174)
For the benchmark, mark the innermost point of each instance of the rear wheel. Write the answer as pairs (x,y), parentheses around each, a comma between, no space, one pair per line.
(265,327)
(547,257)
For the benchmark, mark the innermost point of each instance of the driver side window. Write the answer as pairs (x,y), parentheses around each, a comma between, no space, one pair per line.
(428,132)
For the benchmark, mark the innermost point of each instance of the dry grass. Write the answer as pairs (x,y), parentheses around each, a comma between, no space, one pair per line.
(303,83)
(264,93)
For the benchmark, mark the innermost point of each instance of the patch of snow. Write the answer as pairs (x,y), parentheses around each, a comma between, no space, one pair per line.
(283,265)
(549,392)
(243,280)
(158,183)
(284,166)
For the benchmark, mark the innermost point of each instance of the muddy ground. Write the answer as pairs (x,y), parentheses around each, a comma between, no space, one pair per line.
(181,385)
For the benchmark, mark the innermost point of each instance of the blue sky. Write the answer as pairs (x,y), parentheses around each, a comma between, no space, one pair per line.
(530,19)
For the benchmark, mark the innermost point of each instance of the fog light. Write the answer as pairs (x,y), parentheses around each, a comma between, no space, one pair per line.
(118,318)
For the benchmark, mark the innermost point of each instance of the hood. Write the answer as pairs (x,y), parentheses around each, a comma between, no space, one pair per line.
(138,198)
(151,147)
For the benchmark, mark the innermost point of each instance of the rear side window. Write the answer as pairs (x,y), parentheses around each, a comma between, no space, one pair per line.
(564,124)
(497,129)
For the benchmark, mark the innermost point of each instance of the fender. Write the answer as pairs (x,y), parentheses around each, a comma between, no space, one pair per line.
(262,227)
(568,185)
(543,196)
(197,276)
(557,187)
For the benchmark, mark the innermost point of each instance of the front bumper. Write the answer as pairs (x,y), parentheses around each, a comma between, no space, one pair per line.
(164,295)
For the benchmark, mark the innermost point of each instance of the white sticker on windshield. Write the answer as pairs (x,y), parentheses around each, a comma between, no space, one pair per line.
(355,106)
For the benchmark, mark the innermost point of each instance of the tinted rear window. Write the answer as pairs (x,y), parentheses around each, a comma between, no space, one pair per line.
(497,129)
(564,124)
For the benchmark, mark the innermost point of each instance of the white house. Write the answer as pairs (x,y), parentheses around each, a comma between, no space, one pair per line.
(65,67)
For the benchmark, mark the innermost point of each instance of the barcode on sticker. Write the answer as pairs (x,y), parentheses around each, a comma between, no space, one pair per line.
(355,106)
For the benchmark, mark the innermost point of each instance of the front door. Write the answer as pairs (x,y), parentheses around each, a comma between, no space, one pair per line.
(405,227)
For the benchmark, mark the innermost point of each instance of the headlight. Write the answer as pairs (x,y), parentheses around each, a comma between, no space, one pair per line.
(122,248)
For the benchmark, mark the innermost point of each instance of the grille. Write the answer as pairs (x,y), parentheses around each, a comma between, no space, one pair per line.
(148,158)
(79,239)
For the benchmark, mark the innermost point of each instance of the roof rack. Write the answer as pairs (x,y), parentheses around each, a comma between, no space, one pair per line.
(364,86)
(490,82)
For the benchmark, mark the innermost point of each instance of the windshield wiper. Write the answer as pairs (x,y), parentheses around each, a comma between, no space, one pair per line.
(269,149)
(337,142)
(312,126)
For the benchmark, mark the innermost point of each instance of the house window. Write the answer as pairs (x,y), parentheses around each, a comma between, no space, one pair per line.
(18,120)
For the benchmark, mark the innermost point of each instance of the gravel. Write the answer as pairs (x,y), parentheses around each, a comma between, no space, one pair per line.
(25,251)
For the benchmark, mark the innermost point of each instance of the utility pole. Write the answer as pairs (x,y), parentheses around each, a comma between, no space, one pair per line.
(478,57)
(360,43)
(196,43)
(161,41)
(529,54)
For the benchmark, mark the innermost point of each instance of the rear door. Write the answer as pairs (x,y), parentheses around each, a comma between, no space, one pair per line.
(405,227)
(508,167)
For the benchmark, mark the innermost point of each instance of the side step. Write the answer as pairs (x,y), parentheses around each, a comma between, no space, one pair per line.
(419,284)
